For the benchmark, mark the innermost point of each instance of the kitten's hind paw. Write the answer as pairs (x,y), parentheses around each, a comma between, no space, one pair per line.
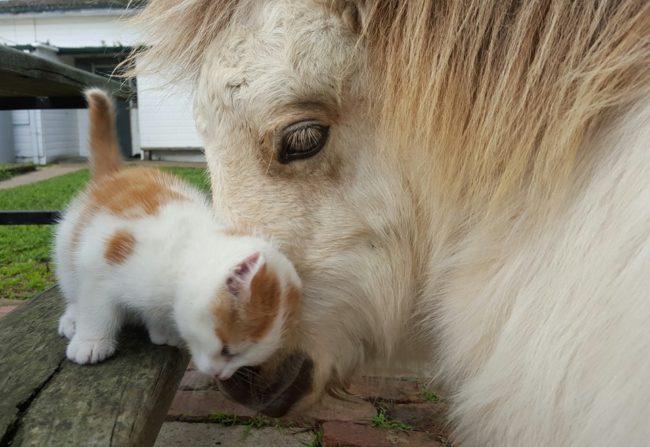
(90,351)
(67,326)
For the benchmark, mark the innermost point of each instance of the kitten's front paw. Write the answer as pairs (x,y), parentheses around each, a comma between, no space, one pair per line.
(160,338)
(67,326)
(90,351)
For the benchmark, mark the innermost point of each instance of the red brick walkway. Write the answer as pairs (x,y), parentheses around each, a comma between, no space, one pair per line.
(380,412)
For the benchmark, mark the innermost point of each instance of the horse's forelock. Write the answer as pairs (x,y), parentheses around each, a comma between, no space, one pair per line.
(177,34)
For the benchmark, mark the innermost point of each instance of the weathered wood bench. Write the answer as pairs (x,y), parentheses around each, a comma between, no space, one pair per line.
(46,400)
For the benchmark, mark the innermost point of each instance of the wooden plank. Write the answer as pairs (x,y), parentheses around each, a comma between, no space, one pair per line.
(30,355)
(47,400)
(26,75)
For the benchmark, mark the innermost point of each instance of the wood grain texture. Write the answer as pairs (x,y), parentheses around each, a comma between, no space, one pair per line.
(47,400)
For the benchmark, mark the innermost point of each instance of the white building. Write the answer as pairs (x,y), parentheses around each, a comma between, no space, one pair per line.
(93,35)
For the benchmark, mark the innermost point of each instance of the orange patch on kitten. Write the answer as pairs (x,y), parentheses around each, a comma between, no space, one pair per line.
(250,320)
(129,193)
(119,247)
(105,158)
(135,192)
(226,315)
(264,303)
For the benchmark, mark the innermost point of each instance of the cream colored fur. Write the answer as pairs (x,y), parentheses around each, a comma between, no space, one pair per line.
(534,310)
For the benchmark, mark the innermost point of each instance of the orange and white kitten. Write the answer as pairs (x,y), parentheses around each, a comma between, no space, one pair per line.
(142,242)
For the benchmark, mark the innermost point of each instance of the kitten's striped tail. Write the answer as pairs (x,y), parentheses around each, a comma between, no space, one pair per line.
(105,157)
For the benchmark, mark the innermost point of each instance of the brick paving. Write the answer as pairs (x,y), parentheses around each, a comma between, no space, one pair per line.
(178,434)
(348,434)
(410,415)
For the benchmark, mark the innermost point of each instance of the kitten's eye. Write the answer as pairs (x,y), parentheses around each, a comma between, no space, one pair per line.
(302,140)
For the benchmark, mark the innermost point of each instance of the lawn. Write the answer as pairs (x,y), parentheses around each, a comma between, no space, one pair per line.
(8,170)
(25,261)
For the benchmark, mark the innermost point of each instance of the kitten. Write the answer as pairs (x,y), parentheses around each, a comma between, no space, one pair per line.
(141,242)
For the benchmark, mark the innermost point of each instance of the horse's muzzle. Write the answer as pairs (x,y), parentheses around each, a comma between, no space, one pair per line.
(272,390)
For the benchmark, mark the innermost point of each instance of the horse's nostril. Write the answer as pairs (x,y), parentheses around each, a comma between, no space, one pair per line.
(301,385)
(243,387)
(272,392)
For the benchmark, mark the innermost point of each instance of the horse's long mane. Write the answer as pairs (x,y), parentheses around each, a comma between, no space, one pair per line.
(504,93)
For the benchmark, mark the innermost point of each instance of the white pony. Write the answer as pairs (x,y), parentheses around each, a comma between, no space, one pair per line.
(464,185)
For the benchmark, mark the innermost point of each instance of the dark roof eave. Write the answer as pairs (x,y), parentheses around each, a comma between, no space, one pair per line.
(14,7)
(96,50)
(81,50)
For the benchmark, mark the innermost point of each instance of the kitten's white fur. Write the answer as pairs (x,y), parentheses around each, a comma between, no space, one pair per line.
(181,261)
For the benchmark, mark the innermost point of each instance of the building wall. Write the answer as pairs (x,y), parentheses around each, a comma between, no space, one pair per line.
(7,154)
(43,136)
(83,132)
(71,29)
(60,134)
(165,115)
(24,134)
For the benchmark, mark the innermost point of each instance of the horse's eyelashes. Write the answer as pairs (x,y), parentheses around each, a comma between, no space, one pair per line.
(302,140)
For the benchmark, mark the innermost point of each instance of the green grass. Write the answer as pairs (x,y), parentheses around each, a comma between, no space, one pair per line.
(257,422)
(25,262)
(430,396)
(382,420)
(252,422)
(248,423)
(317,441)
(8,170)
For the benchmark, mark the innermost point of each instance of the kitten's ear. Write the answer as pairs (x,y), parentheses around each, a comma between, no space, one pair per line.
(241,276)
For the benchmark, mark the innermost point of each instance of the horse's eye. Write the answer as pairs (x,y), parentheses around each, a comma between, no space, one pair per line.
(302,140)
